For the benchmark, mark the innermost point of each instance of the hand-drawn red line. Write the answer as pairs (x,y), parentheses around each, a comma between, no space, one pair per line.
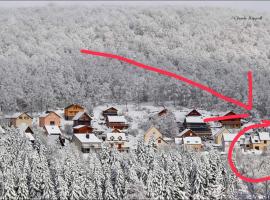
(210,119)
(247,106)
(265,123)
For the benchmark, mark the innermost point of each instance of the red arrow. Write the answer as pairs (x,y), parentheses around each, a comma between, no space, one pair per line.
(247,106)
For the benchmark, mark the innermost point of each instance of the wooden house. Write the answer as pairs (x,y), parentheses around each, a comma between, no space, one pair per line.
(19,119)
(259,141)
(227,140)
(118,141)
(116,122)
(82,129)
(193,112)
(71,111)
(192,143)
(50,118)
(87,142)
(217,136)
(185,133)
(82,118)
(231,123)
(155,135)
(197,125)
(110,112)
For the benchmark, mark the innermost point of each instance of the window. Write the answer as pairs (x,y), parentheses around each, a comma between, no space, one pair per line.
(265,142)
(257,148)
(119,146)
(52,123)
(120,138)
(111,138)
(20,118)
(85,150)
(159,141)
(256,140)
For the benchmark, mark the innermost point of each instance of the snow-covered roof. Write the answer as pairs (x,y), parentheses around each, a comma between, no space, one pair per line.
(78,115)
(2,130)
(47,113)
(167,139)
(255,139)
(30,136)
(83,139)
(17,114)
(228,137)
(116,137)
(183,132)
(264,136)
(194,119)
(119,119)
(53,130)
(192,140)
(78,126)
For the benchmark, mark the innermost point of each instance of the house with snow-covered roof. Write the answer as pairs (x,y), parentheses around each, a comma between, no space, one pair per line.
(112,111)
(118,141)
(52,130)
(230,123)
(197,125)
(18,119)
(71,110)
(87,142)
(82,129)
(154,135)
(82,118)
(227,140)
(192,143)
(116,122)
(49,118)
(259,141)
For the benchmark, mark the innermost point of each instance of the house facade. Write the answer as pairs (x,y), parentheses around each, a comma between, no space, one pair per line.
(19,119)
(87,142)
(227,140)
(118,141)
(218,135)
(231,123)
(51,118)
(82,118)
(82,129)
(192,143)
(153,134)
(110,112)
(197,125)
(71,111)
(116,122)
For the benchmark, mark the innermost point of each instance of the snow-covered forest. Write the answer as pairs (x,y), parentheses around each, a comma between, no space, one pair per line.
(41,171)
(41,65)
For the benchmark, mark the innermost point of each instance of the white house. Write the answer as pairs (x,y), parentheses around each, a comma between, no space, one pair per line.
(52,130)
(87,142)
(117,140)
(227,140)
(192,143)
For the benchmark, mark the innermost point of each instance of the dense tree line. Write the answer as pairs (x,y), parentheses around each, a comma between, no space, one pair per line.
(41,65)
(42,171)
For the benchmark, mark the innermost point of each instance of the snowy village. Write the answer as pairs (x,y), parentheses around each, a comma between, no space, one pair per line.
(134,100)
(112,126)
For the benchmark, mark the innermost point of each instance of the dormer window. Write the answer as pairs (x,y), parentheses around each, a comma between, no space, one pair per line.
(119,138)
(112,138)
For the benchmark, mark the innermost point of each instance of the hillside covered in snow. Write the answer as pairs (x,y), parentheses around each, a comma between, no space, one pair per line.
(41,65)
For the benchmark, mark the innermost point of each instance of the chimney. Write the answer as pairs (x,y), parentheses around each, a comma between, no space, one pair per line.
(87,135)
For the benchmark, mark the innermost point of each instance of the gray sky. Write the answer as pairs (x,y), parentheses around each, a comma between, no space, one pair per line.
(243,5)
